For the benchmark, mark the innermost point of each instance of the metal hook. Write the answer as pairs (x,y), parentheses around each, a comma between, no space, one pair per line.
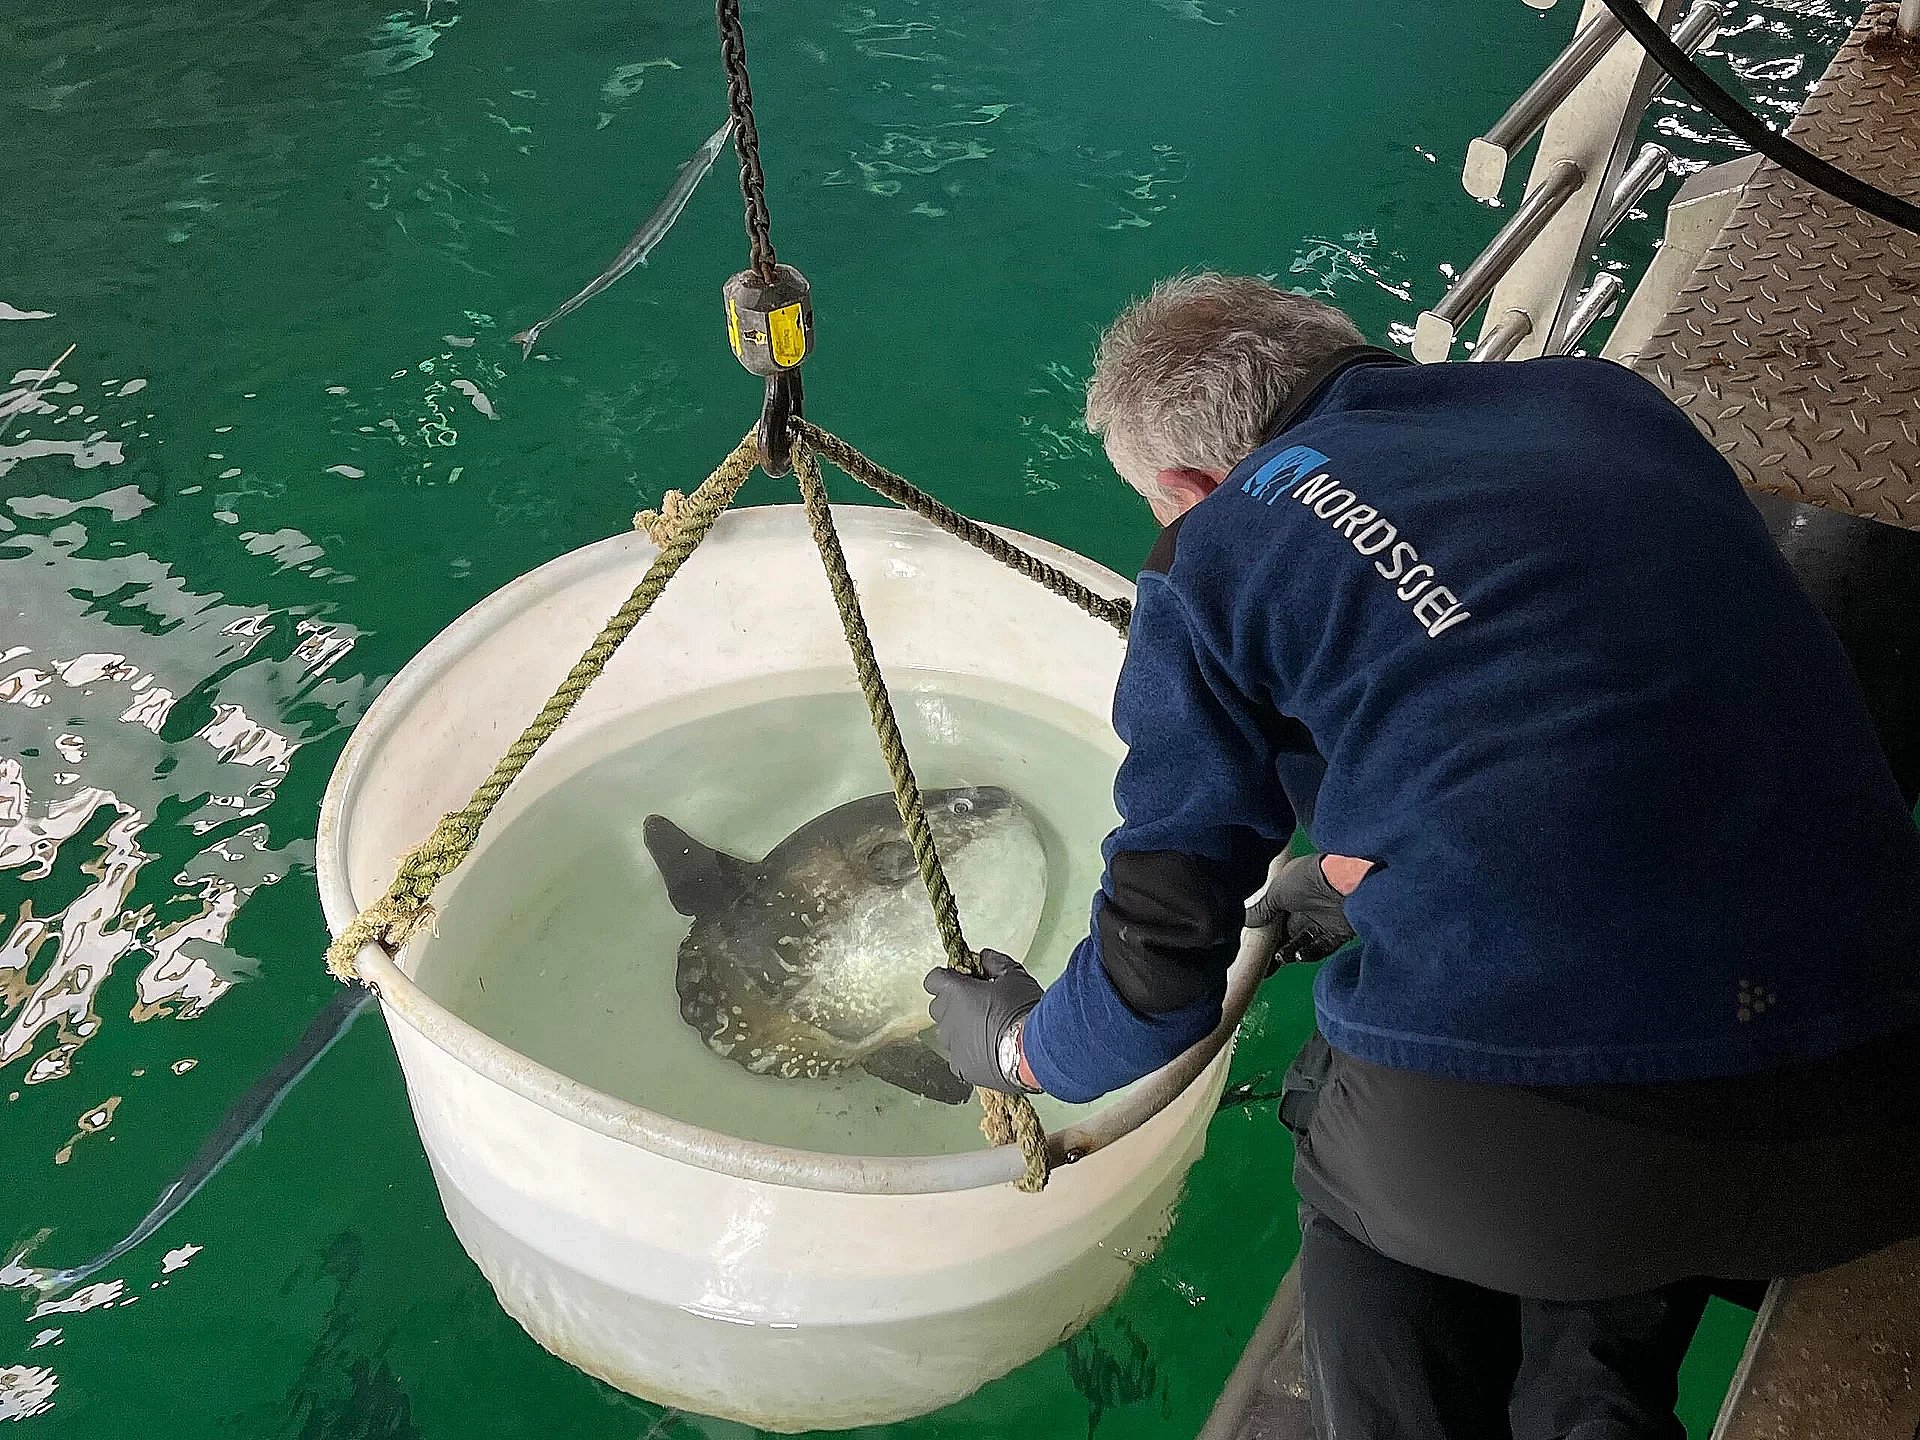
(783,407)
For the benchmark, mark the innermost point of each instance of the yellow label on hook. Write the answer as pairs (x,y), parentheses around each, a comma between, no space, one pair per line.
(788,334)
(733,327)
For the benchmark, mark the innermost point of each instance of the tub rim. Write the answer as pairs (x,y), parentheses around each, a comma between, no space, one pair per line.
(633,1124)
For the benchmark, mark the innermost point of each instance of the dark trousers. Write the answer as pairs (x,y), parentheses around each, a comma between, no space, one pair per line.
(1398,1353)
(1492,1261)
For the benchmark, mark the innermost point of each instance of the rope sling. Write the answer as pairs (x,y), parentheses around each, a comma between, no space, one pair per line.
(678,528)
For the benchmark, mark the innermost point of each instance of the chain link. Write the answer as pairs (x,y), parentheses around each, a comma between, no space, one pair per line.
(746,137)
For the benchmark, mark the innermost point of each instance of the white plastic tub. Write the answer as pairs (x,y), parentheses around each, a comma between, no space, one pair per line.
(787,1289)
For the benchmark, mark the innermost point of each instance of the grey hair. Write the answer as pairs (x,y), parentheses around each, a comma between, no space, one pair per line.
(1190,376)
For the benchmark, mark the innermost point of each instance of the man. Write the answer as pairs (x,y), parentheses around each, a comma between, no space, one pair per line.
(1634,998)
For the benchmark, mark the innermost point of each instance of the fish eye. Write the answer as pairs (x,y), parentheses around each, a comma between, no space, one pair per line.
(961,806)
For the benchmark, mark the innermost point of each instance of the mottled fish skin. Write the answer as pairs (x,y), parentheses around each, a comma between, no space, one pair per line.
(651,232)
(808,962)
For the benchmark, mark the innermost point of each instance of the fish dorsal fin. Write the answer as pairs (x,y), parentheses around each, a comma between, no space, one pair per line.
(700,879)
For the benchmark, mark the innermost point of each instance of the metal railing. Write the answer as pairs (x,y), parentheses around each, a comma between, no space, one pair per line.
(1586,110)
(1702,21)
(1488,154)
(1594,302)
(1648,169)
(1500,339)
(1435,331)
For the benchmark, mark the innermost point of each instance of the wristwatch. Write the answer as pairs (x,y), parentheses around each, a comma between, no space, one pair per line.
(1009,1058)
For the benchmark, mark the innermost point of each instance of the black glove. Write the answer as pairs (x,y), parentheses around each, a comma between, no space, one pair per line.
(975,1013)
(1311,914)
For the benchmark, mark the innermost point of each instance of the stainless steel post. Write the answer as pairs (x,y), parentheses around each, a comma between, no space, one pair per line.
(1506,332)
(1605,289)
(1908,22)
(1649,168)
(1434,333)
(1487,156)
(1691,33)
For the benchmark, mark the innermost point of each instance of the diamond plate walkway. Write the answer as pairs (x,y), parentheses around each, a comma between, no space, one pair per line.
(1795,346)
(1833,1356)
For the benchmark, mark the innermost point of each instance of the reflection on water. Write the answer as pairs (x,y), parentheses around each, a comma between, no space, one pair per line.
(1331,269)
(87,1297)
(1112,1366)
(91,1123)
(401,41)
(342,1389)
(99,744)
(147,724)
(26,1391)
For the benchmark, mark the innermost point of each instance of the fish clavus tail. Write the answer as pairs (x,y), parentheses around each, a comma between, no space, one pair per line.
(652,230)
(917,1067)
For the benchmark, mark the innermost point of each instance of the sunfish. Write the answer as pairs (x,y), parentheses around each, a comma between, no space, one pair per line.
(650,233)
(810,962)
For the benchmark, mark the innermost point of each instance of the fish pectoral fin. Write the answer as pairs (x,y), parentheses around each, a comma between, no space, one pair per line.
(699,878)
(918,1067)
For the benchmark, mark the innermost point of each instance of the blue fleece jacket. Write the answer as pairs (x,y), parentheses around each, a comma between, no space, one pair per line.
(1514,633)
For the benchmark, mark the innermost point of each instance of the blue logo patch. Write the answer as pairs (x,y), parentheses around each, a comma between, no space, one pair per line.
(1282,470)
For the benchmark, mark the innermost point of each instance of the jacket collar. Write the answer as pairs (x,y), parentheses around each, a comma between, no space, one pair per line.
(1313,385)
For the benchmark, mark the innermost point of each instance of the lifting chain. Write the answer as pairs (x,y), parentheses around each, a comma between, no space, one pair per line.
(746,138)
(769,307)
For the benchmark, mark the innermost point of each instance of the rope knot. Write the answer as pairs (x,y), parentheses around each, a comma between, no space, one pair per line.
(663,524)
(391,921)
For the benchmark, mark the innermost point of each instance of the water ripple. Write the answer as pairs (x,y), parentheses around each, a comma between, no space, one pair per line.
(131,701)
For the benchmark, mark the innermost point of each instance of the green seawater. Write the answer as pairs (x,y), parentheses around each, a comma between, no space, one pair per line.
(288,242)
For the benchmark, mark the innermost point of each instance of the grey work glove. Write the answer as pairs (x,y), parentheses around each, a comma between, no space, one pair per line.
(974,1014)
(1311,914)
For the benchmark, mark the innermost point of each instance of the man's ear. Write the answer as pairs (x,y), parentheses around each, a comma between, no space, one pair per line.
(1188,487)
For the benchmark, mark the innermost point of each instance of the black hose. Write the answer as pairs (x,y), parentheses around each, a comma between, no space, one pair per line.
(1730,112)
